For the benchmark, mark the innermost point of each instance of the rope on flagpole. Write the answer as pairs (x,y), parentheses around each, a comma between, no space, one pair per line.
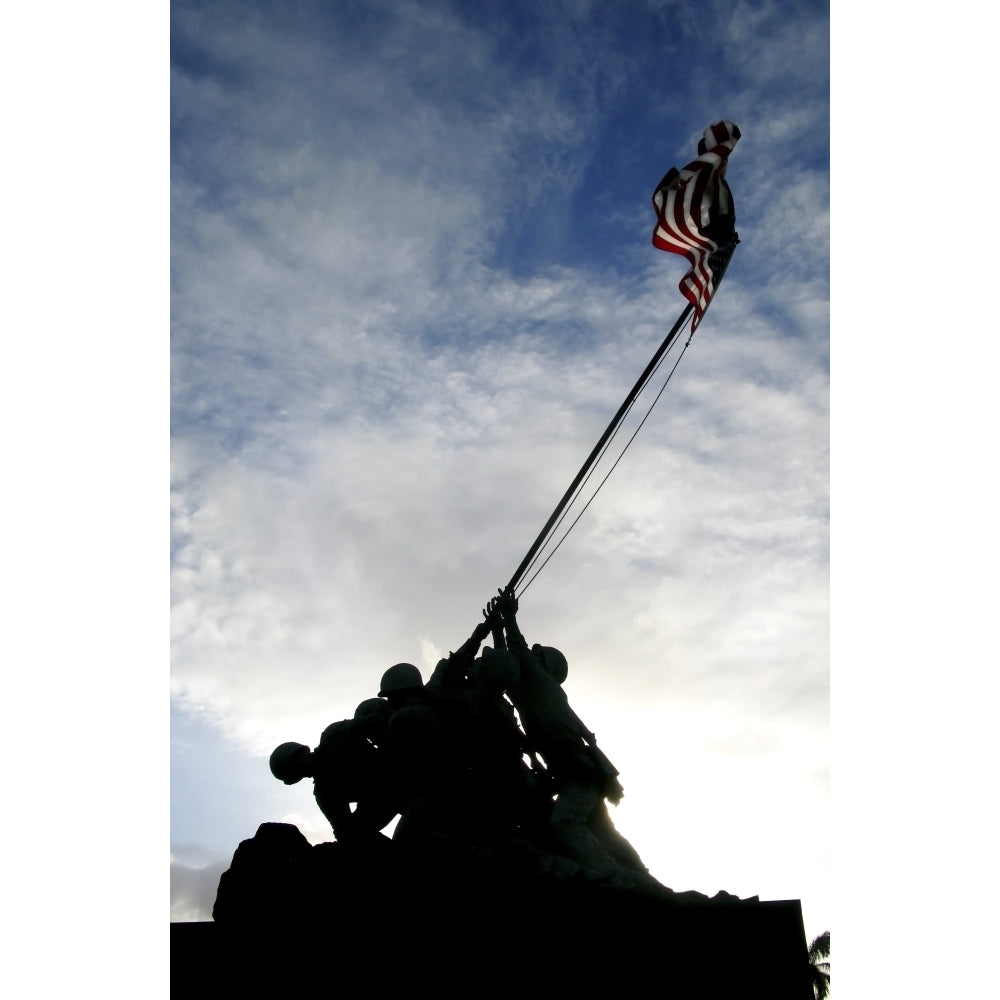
(593,468)
(621,455)
(598,448)
(723,255)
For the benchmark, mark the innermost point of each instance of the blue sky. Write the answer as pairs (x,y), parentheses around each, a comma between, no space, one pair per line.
(411,282)
(660,582)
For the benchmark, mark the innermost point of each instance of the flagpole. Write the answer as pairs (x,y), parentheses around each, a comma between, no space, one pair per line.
(591,458)
(617,419)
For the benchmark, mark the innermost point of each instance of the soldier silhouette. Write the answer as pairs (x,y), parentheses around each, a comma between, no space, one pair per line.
(582,776)
(347,767)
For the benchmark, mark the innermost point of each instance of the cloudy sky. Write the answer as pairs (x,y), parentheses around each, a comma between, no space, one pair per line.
(411,281)
(715,733)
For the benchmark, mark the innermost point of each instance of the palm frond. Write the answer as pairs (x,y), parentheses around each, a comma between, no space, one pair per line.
(820,983)
(820,948)
(819,970)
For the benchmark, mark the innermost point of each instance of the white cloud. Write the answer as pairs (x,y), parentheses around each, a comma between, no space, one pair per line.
(373,416)
(193,889)
(386,524)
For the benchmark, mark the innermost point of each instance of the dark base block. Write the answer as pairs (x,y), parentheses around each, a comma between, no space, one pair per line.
(463,921)
(551,941)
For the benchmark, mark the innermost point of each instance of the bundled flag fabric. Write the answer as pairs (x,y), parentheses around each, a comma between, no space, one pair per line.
(695,215)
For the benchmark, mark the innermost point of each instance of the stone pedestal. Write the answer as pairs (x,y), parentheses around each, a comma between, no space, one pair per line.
(377,922)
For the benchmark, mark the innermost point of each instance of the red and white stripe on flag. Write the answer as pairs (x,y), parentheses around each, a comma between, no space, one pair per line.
(684,209)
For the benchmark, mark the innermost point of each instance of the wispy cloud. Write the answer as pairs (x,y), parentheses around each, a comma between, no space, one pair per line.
(409,292)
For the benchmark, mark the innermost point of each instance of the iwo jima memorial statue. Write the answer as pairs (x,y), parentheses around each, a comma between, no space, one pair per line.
(504,868)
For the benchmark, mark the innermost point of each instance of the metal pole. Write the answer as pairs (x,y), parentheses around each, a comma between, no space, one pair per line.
(616,420)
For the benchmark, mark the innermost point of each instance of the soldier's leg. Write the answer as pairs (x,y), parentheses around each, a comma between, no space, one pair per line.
(575,801)
(616,845)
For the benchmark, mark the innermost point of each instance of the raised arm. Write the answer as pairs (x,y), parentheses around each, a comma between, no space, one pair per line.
(453,669)
(492,616)
(506,606)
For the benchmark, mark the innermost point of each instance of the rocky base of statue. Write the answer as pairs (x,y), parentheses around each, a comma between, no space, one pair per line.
(279,871)
(291,914)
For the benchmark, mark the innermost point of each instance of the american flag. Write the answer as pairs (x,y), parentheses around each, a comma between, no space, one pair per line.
(695,215)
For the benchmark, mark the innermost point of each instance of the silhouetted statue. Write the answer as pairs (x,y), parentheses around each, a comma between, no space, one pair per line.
(266,876)
(456,751)
(347,766)
(581,775)
(499,787)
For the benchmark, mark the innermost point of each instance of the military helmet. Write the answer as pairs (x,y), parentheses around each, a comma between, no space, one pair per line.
(373,706)
(497,669)
(371,717)
(336,734)
(553,661)
(287,762)
(400,677)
